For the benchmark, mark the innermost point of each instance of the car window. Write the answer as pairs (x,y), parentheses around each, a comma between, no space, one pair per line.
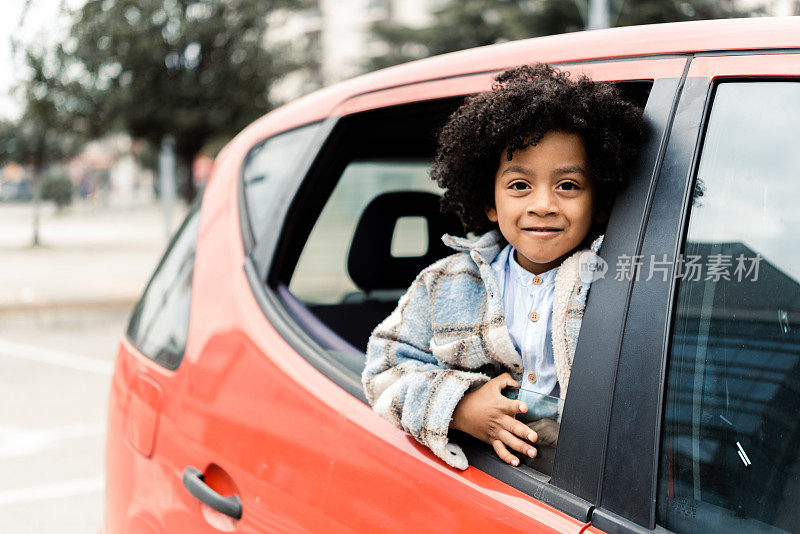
(321,275)
(159,325)
(730,459)
(268,166)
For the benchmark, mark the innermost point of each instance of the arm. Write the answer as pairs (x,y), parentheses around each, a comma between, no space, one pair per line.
(406,385)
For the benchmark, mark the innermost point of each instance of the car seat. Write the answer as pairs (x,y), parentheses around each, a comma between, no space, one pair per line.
(381,277)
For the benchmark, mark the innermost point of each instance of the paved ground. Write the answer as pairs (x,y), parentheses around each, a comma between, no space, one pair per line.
(88,254)
(63,307)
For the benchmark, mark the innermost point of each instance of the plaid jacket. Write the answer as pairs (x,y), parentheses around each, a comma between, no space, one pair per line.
(448,335)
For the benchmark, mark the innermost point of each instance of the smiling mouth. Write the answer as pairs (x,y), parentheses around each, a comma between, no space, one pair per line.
(542,229)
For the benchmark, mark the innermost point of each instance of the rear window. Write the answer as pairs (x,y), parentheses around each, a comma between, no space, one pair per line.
(268,166)
(159,325)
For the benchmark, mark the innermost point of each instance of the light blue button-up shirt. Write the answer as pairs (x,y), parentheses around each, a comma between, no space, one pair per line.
(532,339)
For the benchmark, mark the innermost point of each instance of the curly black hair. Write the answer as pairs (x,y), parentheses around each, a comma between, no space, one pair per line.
(524,104)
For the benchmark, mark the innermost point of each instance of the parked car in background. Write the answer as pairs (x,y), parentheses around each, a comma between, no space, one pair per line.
(20,191)
(236,402)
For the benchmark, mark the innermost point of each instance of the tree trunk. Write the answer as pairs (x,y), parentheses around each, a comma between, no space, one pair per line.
(186,187)
(36,182)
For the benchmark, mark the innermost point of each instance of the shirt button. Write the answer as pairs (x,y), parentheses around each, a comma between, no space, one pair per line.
(531,377)
(534,316)
(537,280)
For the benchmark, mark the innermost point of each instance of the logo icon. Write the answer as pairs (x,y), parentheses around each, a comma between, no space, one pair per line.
(591,267)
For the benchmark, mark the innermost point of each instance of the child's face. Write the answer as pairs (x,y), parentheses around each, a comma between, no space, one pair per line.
(544,200)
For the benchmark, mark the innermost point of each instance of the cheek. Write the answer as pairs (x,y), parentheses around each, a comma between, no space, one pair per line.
(582,213)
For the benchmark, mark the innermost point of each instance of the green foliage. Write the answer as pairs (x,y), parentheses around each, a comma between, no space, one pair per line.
(56,187)
(192,69)
(42,134)
(461,24)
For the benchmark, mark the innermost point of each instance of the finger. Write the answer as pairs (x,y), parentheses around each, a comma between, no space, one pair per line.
(513,407)
(503,453)
(517,444)
(524,431)
(504,380)
(509,380)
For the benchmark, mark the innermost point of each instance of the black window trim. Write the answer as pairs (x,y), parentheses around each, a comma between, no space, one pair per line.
(627,496)
(522,478)
(596,356)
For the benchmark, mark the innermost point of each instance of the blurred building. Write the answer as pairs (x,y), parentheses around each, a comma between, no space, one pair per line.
(777,8)
(107,171)
(337,34)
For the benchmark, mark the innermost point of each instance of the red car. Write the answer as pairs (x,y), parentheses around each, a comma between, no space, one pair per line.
(236,403)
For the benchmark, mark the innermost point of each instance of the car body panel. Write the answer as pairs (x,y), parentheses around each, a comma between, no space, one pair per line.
(645,40)
(746,65)
(632,69)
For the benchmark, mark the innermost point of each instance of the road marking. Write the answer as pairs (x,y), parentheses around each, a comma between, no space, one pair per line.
(16,442)
(69,360)
(55,490)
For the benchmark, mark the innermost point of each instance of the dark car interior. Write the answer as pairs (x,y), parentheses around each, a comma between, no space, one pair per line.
(402,132)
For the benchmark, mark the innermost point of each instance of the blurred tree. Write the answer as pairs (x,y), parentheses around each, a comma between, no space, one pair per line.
(41,136)
(191,69)
(57,186)
(461,24)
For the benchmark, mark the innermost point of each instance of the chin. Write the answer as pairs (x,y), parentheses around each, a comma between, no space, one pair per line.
(541,260)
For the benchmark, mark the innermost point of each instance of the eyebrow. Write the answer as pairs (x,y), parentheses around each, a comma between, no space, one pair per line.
(566,169)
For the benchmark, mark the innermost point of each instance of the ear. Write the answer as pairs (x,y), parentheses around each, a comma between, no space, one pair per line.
(601,216)
(491,213)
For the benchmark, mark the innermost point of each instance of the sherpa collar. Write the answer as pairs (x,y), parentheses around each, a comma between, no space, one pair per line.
(488,245)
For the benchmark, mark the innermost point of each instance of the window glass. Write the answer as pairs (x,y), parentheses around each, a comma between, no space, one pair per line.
(268,167)
(543,416)
(730,458)
(159,325)
(321,275)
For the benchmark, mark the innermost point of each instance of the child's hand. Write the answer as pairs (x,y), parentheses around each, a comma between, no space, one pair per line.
(489,416)
(547,430)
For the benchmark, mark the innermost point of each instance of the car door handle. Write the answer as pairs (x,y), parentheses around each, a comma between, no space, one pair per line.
(195,482)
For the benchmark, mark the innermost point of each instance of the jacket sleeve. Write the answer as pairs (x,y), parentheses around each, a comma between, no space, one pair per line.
(406,384)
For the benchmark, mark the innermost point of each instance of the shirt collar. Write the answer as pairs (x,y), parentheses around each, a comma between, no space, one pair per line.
(525,277)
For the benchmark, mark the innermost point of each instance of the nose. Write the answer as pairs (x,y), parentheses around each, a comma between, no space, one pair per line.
(542,201)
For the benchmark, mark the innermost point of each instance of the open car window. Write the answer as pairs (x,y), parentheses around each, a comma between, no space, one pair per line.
(322,280)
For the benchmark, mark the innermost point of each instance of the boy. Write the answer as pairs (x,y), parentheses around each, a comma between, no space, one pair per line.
(531,166)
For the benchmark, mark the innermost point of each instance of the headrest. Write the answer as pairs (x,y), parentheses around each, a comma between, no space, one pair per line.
(370,261)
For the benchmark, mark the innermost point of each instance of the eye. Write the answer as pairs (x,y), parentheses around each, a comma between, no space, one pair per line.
(568,186)
(518,186)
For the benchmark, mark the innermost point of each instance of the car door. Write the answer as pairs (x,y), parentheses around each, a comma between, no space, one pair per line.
(193,443)
(227,431)
(378,476)
(702,432)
